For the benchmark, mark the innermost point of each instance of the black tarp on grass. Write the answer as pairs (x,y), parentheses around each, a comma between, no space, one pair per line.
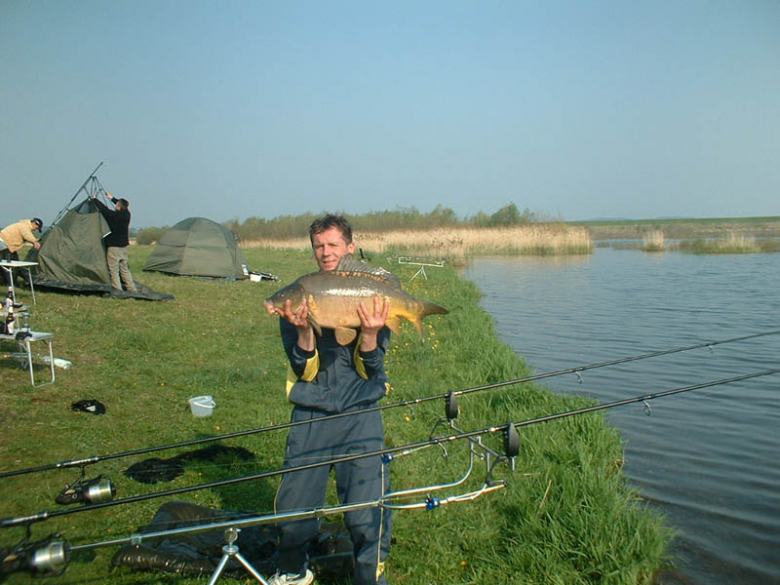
(200,553)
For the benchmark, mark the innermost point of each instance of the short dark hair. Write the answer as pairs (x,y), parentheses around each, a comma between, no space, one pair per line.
(123,203)
(330,221)
(38,221)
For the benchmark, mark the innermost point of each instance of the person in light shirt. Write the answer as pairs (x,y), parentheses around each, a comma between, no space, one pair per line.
(13,237)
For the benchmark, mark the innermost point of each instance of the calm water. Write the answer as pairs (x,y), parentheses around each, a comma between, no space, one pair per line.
(709,459)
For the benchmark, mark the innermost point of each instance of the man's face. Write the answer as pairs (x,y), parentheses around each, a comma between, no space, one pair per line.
(329,246)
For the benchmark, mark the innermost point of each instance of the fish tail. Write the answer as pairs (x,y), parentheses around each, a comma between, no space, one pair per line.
(430,308)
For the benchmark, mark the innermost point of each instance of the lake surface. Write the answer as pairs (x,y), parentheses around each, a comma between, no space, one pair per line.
(708,459)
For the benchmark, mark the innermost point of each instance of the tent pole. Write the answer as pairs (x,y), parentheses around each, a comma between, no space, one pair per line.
(83,185)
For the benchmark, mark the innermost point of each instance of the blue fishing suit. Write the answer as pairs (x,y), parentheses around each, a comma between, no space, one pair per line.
(335,379)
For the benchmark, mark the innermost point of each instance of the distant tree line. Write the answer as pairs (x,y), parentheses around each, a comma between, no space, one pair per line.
(407,218)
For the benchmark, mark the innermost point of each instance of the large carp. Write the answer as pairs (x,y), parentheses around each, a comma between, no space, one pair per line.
(333,298)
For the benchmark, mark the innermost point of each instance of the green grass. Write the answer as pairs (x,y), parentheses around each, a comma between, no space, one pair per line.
(568,515)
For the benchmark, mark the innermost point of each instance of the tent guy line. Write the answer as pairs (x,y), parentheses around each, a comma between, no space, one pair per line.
(405,403)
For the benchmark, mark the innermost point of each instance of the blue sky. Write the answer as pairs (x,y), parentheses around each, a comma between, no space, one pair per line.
(232,109)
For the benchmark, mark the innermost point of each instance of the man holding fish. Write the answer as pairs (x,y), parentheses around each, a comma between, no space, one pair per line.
(335,327)
(324,378)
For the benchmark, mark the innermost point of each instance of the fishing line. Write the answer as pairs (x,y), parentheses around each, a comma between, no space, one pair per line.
(405,403)
(507,428)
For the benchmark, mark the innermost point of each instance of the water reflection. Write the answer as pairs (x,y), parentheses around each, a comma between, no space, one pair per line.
(707,458)
(544,262)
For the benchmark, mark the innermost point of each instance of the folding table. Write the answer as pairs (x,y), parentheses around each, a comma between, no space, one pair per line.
(9,265)
(26,351)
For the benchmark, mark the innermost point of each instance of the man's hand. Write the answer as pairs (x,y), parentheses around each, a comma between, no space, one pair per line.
(372,322)
(299,319)
(37,245)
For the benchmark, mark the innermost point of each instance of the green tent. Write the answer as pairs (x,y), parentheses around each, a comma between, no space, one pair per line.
(197,246)
(72,256)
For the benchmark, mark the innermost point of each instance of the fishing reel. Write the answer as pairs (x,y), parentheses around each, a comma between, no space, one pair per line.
(45,558)
(451,408)
(511,443)
(87,491)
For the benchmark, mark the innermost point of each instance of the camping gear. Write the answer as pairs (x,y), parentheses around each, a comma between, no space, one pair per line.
(200,553)
(72,255)
(25,355)
(198,246)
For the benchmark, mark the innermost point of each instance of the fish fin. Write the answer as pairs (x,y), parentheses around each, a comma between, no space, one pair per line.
(394,324)
(345,335)
(418,325)
(313,322)
(348,263)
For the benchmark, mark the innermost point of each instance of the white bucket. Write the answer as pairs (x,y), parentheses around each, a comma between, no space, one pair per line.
(202,406)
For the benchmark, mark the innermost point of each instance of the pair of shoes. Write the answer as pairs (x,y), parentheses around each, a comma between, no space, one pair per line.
(306,578)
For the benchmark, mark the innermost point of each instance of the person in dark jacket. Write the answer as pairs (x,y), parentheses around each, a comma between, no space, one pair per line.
(117,241)
(326,378)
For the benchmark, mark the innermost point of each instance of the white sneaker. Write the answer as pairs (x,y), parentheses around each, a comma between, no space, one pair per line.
(289,579)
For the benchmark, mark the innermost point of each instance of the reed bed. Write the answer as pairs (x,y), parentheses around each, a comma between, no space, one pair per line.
(461,243)
(732,243)
(654,241)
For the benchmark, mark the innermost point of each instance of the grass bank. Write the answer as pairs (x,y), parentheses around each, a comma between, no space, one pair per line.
(568,515)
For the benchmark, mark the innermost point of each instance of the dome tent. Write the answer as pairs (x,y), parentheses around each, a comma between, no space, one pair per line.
(198,246)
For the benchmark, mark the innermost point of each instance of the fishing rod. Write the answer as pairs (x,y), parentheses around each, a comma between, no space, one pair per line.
(51,555)
(405,403)
(387,453)
(385,501)
(511,444)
